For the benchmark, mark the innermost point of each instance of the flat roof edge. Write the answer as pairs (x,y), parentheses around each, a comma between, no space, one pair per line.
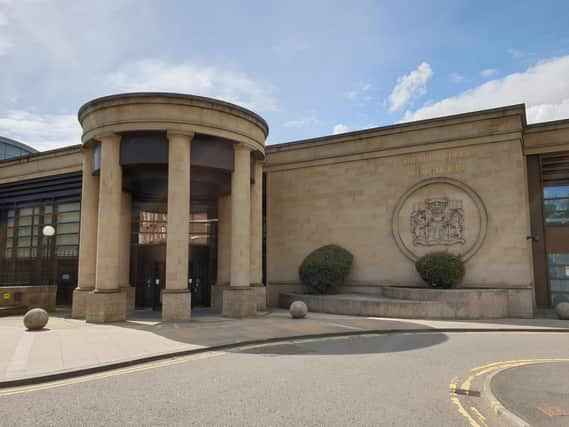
(515,108)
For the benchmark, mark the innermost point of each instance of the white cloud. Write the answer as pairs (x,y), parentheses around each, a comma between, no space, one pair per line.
(458,78)
(156,75)
(488,72)
(302,122)
(544,88)
(410,86)
(339,128)
(361,93)
(43,132)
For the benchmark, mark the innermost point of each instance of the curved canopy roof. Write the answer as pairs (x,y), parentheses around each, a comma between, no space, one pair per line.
(10,148)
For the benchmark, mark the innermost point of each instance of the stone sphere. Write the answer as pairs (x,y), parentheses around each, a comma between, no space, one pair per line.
(35,319)
(563,310)
(298,310)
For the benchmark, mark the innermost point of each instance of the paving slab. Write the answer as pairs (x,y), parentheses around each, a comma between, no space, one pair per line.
(68,345)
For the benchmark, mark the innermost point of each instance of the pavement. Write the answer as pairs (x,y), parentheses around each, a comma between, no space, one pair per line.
(69,346)
(537,393)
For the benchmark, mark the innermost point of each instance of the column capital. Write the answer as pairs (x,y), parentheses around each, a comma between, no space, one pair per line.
(110,137)
(171,134)
(242,146)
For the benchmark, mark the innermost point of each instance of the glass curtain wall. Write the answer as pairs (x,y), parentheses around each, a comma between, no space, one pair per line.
(28,257)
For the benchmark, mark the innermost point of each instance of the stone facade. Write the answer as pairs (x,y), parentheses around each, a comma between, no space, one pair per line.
(346,189)
(388,195)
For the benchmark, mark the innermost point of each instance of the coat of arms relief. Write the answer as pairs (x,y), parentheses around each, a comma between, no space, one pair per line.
(437,221)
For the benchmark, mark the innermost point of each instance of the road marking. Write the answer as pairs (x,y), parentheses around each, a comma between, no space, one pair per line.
(481,417)
(117,372)
(461,410)
(478,371)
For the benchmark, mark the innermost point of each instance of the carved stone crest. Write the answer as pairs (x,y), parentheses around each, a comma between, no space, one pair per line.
(437,221)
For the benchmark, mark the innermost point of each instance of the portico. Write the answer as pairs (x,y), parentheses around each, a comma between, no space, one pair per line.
(185,153)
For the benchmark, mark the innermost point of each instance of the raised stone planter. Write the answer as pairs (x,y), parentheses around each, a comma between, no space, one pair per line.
(419,303)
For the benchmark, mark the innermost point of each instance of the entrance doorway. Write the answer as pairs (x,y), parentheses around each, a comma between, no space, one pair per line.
(148,256)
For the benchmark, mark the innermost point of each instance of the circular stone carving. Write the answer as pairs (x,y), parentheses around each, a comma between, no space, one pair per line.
(35,319)
(298,310)
(439,214)
(563,310)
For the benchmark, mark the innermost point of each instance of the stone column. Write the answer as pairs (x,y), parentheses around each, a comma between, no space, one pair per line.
(107,303)
(239,297)
(223,250)
(124,261)
(176,298)
(256,251)
(87,236)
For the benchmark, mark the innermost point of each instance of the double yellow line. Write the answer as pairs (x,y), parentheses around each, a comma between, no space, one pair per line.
(474,417)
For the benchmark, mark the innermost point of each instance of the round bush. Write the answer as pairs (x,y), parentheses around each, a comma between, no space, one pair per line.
(326,268)
(441,269)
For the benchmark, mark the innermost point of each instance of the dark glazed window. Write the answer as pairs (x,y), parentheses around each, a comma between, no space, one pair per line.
(556,204)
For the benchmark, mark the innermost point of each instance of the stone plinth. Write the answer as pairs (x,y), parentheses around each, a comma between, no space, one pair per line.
(239,301)
(79,304)
(105,307)
(260,296)
(217,295)
(176,305)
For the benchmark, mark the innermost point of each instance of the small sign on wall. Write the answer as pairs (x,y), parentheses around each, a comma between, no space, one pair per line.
(6,296)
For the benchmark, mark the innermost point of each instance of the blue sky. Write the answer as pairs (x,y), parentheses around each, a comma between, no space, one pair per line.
(310,68)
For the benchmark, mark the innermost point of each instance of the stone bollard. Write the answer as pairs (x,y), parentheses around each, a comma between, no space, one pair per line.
(35,319)
(298,310)
(563,310)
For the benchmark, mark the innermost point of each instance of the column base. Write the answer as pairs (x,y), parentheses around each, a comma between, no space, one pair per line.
(176,305)
(130,295)
(260,296)
(217,295)
(106,306)
(239,301)
(79,302)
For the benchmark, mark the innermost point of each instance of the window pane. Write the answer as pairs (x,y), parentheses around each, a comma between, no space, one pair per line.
(68,228)
(26,211)
(71,239)
(9,232)
(24,242)
(68,207)
(66,251)
(558,191)
(25,231)
(9,243)
(68,217)
(25,220)
(23,253)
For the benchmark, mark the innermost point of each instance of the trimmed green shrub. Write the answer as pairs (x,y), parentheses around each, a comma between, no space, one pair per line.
(441,269)
(326,268)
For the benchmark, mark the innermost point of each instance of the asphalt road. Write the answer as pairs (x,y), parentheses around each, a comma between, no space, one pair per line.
(393,380)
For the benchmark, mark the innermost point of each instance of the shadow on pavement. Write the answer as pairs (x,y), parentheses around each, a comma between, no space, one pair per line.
(363,344)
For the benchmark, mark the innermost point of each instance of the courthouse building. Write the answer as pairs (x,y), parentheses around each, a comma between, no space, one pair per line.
(173,201)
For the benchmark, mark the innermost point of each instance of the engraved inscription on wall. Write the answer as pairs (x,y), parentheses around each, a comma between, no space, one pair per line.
(437,163)
(437,221)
